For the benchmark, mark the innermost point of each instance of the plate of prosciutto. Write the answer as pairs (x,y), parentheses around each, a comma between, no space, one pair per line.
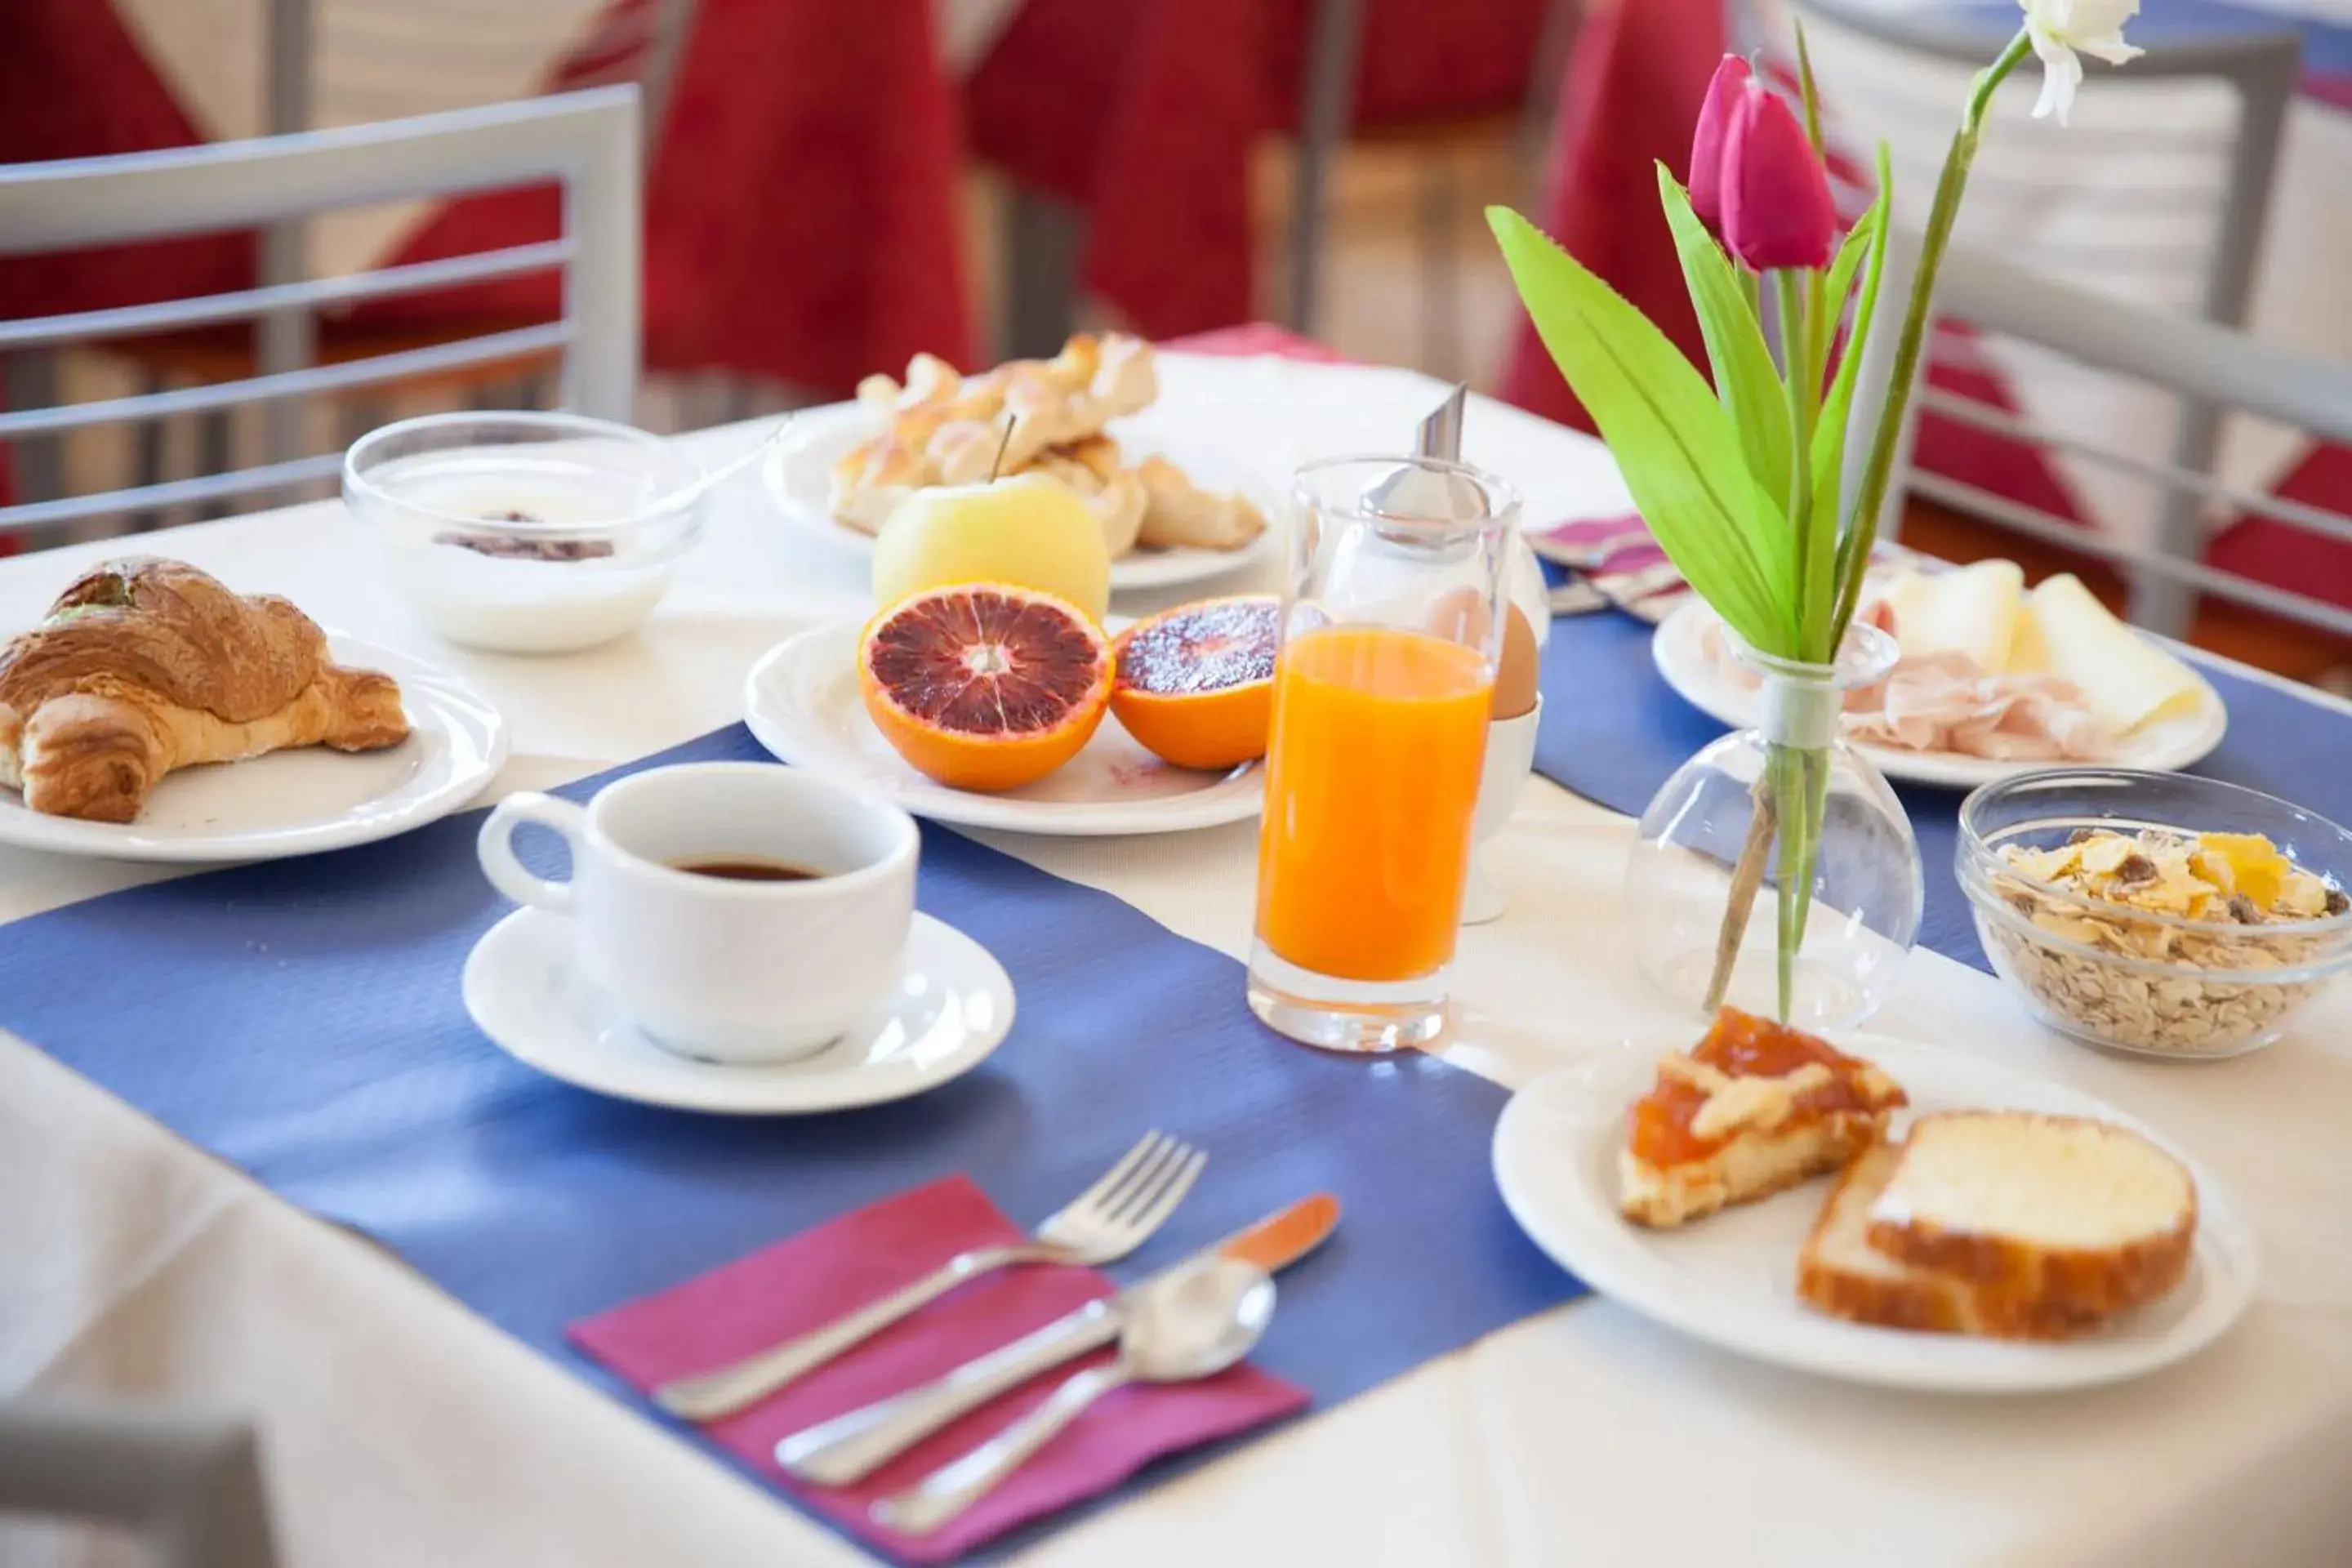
(1993,681)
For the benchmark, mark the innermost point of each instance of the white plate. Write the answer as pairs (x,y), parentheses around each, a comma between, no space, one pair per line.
(953,1007)
(801,700)
(303,800)
(1730,1279)
(1679,649)
(799,479)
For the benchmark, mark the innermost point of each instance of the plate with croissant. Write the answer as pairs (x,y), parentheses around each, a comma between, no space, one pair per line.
(1170,513)
(1876,1211)
(156,714)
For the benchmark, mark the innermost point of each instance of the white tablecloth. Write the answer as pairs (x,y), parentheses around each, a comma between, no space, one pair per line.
(400,1431)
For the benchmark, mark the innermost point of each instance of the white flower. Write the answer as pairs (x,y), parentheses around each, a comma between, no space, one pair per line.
(2059,27)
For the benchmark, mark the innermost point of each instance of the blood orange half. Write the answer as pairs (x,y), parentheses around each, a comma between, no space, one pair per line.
(984,686)
(1195,684)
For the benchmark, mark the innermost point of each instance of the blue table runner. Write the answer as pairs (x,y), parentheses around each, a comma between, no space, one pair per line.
(301,1019)
(1613,731)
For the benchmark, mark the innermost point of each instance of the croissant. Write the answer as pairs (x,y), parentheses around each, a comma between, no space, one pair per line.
(145,665)
(1181,515)
(948,429)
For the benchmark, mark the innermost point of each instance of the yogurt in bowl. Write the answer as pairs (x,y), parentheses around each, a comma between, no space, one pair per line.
(525,532)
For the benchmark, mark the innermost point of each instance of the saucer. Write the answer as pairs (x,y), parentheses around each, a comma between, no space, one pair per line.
(953,1005)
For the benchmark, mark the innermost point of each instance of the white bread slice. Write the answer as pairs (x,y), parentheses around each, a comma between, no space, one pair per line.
(2079,1215)
(1842,1274)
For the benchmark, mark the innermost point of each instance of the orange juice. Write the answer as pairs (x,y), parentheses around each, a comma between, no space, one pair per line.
(1378,735)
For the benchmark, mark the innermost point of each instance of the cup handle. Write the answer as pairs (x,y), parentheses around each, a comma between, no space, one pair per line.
(506,873)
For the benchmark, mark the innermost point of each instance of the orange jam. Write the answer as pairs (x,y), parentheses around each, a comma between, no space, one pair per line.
(1741,1045)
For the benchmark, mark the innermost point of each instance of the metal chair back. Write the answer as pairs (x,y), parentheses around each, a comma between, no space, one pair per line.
(189,1487)
(2175,214)
(2214,369)
(586,141)
(2158,193)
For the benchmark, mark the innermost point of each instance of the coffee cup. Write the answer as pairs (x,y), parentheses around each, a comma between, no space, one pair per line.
(738,912)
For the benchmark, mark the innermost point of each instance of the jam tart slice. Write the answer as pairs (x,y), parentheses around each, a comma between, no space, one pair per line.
(1753,1108)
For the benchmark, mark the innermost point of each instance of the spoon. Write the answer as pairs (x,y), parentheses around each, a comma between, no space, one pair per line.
(725,471)
(1195,1323)
(1424,493)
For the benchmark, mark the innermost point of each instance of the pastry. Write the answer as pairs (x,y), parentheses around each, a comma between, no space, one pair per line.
(1034,415)
(1183,516)
(1753,1108)
(144,665)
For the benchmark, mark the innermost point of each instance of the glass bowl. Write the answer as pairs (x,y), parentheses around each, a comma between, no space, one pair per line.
(2127,978)
(525,532)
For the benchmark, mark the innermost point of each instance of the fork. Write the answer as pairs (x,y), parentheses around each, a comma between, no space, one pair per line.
(1103,1224)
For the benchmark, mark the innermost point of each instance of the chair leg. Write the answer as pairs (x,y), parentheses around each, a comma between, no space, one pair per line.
(38,462)
(150,462)
(1327,105)
(215,454)
(1441,275)
(1539,111)
(1041,274)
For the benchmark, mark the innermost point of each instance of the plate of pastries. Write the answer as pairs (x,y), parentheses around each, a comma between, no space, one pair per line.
(1170,513)
(155,713)
(1873,1210)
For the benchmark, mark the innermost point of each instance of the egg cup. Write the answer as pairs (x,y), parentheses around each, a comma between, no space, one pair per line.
(1510,758)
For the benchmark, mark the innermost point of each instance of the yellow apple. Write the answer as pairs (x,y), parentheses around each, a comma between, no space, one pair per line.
(1031,530)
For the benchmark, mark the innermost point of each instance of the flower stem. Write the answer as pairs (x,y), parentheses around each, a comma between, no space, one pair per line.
(1949,188)
(1796,357)
(1746,877)
(1802,780)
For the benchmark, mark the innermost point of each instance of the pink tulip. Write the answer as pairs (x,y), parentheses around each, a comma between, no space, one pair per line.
(1775,194)
(1723,95)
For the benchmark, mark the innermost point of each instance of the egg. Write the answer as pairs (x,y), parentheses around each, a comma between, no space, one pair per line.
(1458,615)
(1514,671)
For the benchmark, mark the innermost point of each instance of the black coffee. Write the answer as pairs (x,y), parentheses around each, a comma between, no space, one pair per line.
(742,868)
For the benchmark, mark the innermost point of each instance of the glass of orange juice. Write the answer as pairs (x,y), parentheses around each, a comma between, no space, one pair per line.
(1381,689)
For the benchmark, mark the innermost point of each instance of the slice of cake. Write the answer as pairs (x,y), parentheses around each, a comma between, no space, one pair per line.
(2080,1215)
(1751,1108)
(1841,1273)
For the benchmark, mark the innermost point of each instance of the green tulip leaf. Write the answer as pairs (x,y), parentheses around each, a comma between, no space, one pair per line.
(1679,450)
(1837,283)
(1745,377)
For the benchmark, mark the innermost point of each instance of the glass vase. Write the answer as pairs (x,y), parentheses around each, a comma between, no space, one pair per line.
(1786,803)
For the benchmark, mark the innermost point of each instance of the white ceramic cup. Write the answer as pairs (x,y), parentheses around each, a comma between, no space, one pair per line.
(1510,758)
(723,969)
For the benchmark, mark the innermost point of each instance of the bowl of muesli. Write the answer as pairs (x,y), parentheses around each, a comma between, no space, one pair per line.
(2156,913)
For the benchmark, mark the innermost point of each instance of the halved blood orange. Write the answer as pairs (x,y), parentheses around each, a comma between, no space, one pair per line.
(982,685)
(1195,684)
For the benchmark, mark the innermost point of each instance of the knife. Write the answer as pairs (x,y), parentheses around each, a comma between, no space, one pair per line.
(850,1448)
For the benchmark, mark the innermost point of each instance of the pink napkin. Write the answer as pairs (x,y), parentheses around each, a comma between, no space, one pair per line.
(798,1284)
(1599,544)
(1257,338)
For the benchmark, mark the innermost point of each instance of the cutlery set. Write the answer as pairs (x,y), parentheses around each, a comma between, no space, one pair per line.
(1190,1321)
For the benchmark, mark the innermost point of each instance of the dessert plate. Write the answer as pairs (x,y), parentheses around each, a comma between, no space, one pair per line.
(953,1007)
(801,700)
(1731,1279)
(304,801)
(1678,648)
(798,476)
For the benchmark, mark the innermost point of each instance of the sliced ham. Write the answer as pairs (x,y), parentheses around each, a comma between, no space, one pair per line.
(1949,702)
